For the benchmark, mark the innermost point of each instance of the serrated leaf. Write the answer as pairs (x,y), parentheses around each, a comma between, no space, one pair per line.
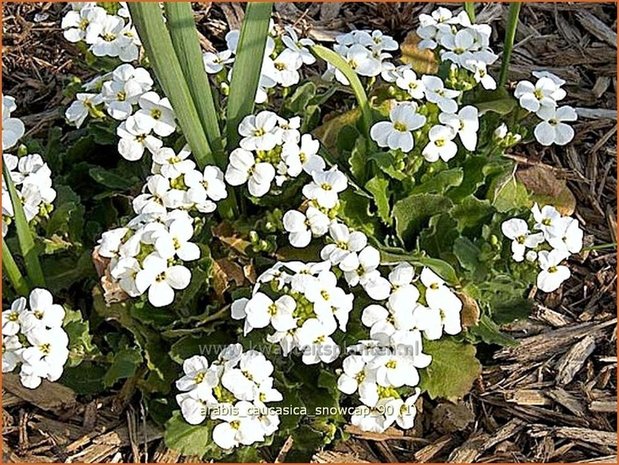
(413,211)
(86,379)
(507,194)
(440,182)
(440,267)
(355,211)
(489,332)
(124,365)
(497,101)
(190,439)
(328,131)
(111,179)
(379,187)
(386,163)
(453,370)
(472,213)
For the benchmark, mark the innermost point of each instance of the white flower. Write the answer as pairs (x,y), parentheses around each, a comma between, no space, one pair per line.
(207,185)
(372,420)
(408,81)
(45,357)
(330,301)
(134,138)
(42,312)
(397,134)
(81,107)
(11,352)
(553,130)
(215,62)
(547,74)
(315,342)
(172,165)
(325,187)
(161,280)
(441,144)
(544,94)
(437,93)
(441,315)
(302,226)
(285,68)
(257,131)
(304,157)
(11,317)
(12,128)
(243,382)
(353,375)
(552,274)
(239,426)
(567,236)
(175,241)
(198,376)
(362,61)
(465,123)
(459,45)
(382,41)
(369,259)
(404,410)
(299,46)
(343,251)
(395,371)
(83,25)
(547,220)
(517,230)
(243,168)
(194,406)
(156,114)
(262,310)
(383,323)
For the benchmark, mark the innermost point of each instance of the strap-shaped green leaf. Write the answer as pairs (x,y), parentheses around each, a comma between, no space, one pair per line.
(510,35)
(185,40)
(24,234)
(247,67)
(17,280)
(148,20)
(340,63)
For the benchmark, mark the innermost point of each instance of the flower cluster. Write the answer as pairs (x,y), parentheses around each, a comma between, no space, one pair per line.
(557,237)
(107,35)
(234,391)
(542,99)
(303,303)
(126,96)
(31,176)
(272,149)
(384,370)
(465,45)
(148,255)
(367,53)
(285,53)
(33,338)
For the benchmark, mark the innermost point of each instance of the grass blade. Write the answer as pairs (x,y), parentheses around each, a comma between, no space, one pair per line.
(469,7)
(340,63)
(185,40)
(26,241)
(148,20)
(247,67)
(11,271)
(510,35)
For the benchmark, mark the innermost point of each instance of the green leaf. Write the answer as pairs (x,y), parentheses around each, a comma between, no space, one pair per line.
(489,332)
(184,35)
(467,253)
(247,67)
(440,182)
(473,177)
(188,439)
(12,272)
(453,370)
(340,63)
(497,101)
(386,163)
(67,219)
(355,211)
(24,234)
(472,212)
(157,43)
(112,180)
(438,238)
(358,159)
(87,379)
(507,194)
(379,188)
(440,267)
(413,211)
(81,344)
(124,365)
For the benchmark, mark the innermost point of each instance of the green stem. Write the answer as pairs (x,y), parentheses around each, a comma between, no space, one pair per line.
(17,280)
(469,7)
(24,234)
(602,246)
(510,35)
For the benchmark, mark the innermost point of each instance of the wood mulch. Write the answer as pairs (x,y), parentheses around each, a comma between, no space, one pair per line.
(552,398)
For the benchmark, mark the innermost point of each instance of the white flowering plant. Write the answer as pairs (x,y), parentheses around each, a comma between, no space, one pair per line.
(264,269)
